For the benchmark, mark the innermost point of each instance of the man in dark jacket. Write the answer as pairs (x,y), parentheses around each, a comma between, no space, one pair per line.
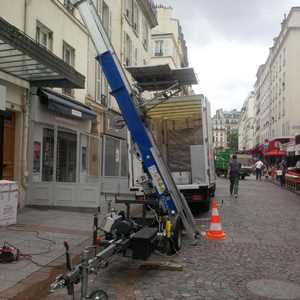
(234,175)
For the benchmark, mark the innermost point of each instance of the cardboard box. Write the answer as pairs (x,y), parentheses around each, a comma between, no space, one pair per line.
(9,197)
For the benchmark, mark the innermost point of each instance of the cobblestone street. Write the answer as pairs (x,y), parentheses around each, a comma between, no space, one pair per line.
(259,260)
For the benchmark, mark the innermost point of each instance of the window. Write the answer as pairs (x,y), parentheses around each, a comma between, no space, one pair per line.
(159,48)
(128,50)
(44,36)
(66,156)
(136,18)
(89,158)
(98,83)
(124,159)
(68,54)
(145,34)
(106,19)
(71,160)
(99,7)
(136,56)
(116,157)
(36,157)
(69,6)
(129,10)
(69,58)
(102,90)
(48,154)
(112,156)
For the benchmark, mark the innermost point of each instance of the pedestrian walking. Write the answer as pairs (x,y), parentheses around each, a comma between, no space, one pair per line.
(259,165)
(282,169)
(297,166)
(234,176)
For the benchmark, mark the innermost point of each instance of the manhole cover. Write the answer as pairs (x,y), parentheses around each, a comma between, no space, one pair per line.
(274,289)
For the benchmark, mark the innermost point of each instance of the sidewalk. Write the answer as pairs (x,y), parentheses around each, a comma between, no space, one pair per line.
(40,234)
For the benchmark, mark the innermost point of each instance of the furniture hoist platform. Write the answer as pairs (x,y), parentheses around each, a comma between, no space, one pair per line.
(171,211)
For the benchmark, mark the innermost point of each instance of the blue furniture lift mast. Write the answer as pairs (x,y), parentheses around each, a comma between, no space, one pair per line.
(167,192)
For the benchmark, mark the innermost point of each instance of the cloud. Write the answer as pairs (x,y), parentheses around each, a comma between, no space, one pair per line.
(227,41)
(226,71)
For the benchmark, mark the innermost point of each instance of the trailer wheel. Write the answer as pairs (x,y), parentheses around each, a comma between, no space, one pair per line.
(98,295)
(175,242)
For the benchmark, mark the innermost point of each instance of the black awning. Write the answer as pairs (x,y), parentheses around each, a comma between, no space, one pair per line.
(160,77)
(66,105)
(24,58)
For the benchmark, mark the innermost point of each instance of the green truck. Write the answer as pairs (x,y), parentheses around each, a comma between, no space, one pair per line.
(222,162)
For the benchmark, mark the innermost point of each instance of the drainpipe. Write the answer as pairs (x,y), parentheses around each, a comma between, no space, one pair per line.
(25,15)
(25,119)
(24,162)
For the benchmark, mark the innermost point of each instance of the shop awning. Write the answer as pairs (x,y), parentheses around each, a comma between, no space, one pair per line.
(176,108)
(161,77)
(66,105)
(275,153)
(22,57)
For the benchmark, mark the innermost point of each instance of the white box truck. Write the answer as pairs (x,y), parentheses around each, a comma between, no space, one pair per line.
(181,127)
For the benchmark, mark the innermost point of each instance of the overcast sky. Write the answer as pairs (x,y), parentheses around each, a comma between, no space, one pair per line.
(227,41)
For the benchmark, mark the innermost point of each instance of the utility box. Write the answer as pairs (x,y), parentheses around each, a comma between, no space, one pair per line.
(143,243)
(9,196)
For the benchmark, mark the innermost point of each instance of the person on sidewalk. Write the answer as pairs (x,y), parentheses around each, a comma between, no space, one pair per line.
(283,170)
(258,169)
(297,166)
(234,175)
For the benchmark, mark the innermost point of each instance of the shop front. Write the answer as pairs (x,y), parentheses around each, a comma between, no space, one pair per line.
(25,65)
(65,157)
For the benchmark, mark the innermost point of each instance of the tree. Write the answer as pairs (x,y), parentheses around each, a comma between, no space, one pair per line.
(233,141)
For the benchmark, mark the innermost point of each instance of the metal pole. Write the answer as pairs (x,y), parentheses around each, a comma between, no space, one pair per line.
(84,274)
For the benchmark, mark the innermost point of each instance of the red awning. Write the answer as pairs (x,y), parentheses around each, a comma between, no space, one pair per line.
(275,153)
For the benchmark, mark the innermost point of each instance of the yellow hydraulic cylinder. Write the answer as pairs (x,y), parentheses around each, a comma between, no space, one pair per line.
(168,229)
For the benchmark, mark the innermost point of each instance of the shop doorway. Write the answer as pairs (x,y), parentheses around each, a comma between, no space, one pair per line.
(7,145)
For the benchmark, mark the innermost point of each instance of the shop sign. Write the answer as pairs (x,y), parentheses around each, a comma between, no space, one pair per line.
(2,97)
(76,113)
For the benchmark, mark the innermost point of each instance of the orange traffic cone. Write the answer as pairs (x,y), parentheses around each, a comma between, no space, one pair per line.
(215,231)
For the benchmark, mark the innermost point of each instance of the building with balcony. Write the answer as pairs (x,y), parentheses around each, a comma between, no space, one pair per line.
(167,38)
(56,104)
(276,88)
(225,123)
(246,129)
(44,118)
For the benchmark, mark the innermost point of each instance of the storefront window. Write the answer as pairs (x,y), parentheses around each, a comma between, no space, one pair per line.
(78,156)
(36,157)
(124,160)
(112,156)
(94,157)
(90,158)
(83,159)
(66,156)
(48,154)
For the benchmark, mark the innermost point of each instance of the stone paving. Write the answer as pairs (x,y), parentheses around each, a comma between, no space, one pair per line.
(40,234)
(260,254)
(260,259)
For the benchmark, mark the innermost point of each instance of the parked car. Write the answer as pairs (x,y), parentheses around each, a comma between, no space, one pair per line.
(247,163)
